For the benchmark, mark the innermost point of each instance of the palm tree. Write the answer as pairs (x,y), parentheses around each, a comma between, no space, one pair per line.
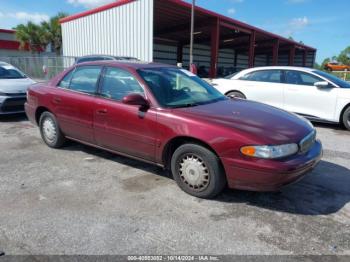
(32,36)
(53,32)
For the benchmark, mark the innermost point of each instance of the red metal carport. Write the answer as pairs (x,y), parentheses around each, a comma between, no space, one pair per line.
(217,32)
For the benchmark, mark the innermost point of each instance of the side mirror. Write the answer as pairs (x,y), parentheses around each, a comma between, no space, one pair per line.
(322,84)
(135,99)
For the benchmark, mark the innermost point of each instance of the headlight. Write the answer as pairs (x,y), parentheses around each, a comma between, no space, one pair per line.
(270,152)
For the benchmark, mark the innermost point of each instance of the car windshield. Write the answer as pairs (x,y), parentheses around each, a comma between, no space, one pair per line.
(231,75)
(7,72)
(175,87)
(334,79)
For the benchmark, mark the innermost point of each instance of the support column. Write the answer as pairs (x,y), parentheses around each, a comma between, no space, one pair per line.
(215,37)
(304,57)
(251,54)
(291,55)
(179,53)
(235,60)
(275,51)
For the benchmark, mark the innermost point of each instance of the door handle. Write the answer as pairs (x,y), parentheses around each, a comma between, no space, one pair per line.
(57,100)
(102,111)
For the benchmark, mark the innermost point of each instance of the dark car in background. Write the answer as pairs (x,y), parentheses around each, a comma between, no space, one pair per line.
(13,88)
(169,117)
(92,58)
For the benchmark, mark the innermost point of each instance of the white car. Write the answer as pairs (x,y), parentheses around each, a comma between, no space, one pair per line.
(13,88)
(314,94)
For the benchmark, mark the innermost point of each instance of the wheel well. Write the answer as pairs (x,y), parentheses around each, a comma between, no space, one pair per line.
(233,91)
(38,113)
(176,142)
(342,112)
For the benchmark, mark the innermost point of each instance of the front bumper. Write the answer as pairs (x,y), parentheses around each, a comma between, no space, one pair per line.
(270,175)
(12,104)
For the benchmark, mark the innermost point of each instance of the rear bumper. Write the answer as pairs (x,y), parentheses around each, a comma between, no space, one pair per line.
(270,175)
(30,112)
(12,104)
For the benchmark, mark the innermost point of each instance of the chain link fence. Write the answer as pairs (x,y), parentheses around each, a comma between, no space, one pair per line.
(40,68)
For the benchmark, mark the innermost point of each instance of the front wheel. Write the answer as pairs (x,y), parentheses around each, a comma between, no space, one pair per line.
(346,118)
(235,94)
(197,171)
(50,131)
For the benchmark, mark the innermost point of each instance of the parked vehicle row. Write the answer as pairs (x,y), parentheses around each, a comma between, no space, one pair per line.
(169,117)
(314,94)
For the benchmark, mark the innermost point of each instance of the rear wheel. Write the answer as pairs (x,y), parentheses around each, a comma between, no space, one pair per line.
(50,131)
(236,94)
(197,171)
(346,118)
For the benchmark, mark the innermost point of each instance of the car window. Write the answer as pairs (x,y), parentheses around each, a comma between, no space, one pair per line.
(301,78)
(85,78)
(64,83)
(270,76)
(118,83)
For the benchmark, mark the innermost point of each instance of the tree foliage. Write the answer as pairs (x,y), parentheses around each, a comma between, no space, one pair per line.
(38,37)
(53,32)
(32,36)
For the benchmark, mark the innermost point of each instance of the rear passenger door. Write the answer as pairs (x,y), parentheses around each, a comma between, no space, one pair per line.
(73,101)
(121,127)
(264,86)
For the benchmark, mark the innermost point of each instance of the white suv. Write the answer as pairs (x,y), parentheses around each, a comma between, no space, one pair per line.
(314,94)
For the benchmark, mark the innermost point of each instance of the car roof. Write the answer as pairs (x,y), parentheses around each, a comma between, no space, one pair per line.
(4,64)
(105,56)
(304,69)
(129,64)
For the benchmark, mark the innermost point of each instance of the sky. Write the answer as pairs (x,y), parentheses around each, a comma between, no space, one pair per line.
(322,24)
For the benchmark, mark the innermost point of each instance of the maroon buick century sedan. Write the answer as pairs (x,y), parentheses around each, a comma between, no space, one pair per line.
(169,117)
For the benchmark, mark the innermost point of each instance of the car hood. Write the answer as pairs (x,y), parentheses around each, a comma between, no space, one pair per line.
(14,86)
(269,124)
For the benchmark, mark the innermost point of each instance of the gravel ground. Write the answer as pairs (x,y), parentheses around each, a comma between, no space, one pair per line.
(79,200)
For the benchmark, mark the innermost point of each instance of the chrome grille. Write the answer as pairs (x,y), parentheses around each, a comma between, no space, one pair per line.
(307,142)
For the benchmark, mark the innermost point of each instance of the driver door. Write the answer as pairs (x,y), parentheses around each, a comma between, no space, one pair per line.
(302,97)
(120,127)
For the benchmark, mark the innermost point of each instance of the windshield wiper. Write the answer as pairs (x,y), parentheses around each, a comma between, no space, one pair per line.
(186,105)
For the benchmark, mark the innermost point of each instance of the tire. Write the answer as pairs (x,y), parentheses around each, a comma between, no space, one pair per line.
(198,171)
(346,118)
(50,131)
(329,69)
(235,94)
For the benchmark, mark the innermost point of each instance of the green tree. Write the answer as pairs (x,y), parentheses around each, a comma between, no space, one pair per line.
(31,35)
(53,32)
(344,56)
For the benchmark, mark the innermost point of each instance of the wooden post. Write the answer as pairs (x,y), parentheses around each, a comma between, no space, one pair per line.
(179,53)
(275,50)
(215,37)
(304,57)
(251,55)
(235,60)
(291,55)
